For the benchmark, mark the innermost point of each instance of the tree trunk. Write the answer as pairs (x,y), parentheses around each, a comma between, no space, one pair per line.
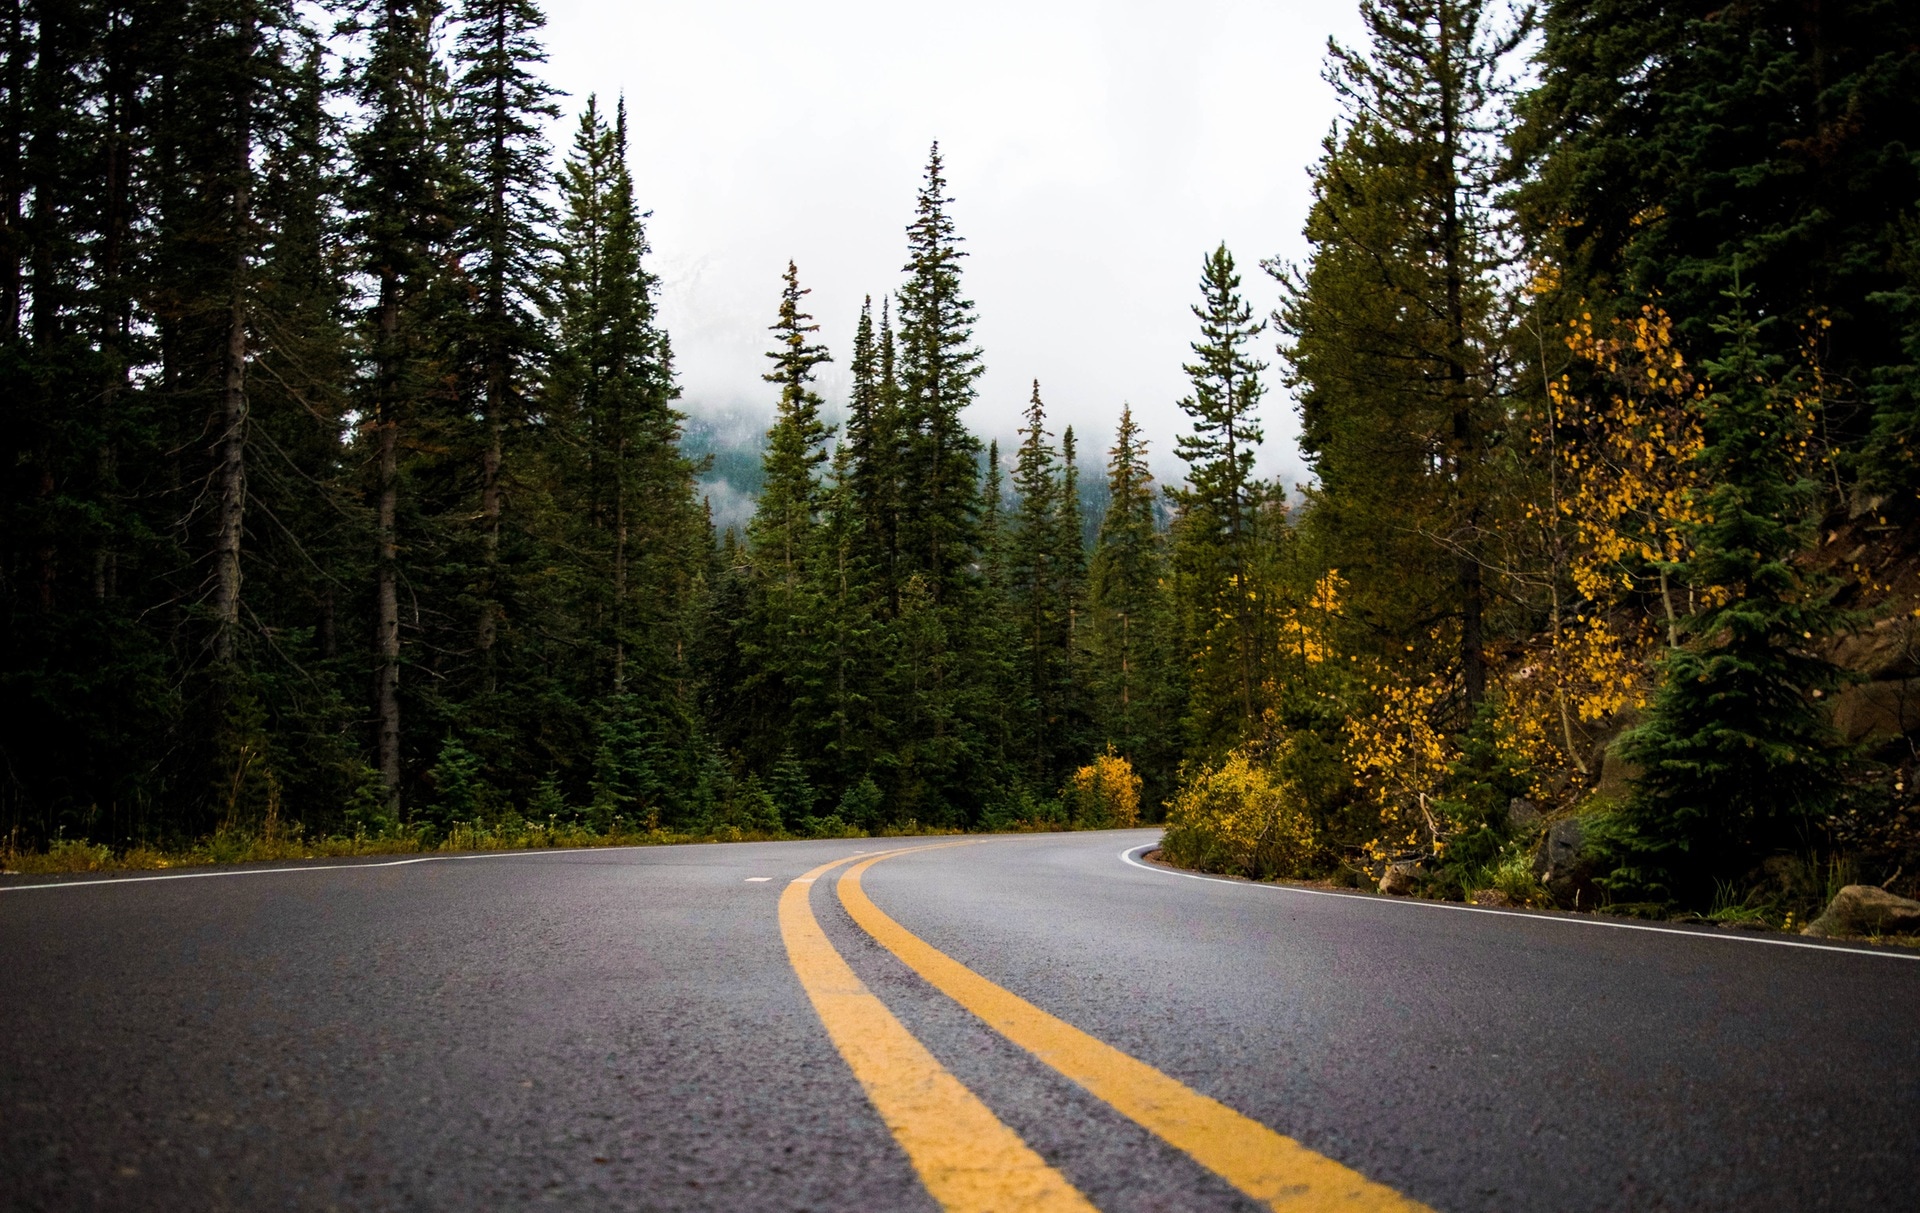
(12,173)
(386,695)
(620,568)
(1473,658)
(230,517)
(114,320)
(487,628)
(1666,602)
(497,355)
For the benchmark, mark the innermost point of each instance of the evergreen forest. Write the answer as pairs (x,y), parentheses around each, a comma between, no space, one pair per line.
(346,494)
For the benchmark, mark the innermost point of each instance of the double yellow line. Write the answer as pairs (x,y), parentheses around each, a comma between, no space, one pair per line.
(969,1160)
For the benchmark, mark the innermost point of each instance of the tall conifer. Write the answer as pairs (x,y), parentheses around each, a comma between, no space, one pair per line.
(791,495)
(1126,669)
(403,231)
(1396,336)
(938,368)
(1220,504)
(1034,584)
(499,112)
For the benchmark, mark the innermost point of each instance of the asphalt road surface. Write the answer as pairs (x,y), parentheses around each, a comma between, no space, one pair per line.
(688,1027)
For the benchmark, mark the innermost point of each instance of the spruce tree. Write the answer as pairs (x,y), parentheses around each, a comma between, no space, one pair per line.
(1070,554)
(1035,581)
(499,112)
(1396,336)
(938,368)
(403,228)
(783,522)
(785,625)
(1220,503)
(843,733)
(1738,760)
(1126,669)
(942,699)
(993,523)
(625,529)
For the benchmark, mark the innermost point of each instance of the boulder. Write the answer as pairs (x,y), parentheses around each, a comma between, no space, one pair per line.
(1863,909)
(1523,816)
(1868,711)
(1401,879)
(1602,753)
(1616,776)
(1561,851)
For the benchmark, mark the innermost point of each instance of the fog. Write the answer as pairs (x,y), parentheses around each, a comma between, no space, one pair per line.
(1095,152)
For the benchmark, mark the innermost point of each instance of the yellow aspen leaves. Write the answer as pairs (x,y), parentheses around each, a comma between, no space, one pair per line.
(1105,792)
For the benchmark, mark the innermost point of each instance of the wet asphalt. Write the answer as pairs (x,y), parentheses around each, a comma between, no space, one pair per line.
(620,1029)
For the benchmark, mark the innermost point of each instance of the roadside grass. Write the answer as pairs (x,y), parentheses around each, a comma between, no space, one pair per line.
(1734,908)
(1507,880)
(236,846)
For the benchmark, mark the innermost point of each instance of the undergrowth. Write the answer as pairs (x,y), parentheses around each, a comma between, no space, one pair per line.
(233,846)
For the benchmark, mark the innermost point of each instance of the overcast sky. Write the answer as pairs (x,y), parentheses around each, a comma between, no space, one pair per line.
(1094,151)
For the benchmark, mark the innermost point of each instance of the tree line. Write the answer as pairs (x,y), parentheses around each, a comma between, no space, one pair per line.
(345,484)
(1592,362)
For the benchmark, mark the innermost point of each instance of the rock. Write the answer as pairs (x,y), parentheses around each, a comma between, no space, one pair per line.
(1523,816)
(1888,649)
(1603,741)
(1560,852)
(1617,775)
(1402,878)
(1862,909)
(1878,710)
(1491,897)
(1864,503)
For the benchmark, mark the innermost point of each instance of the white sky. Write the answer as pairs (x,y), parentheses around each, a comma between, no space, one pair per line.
(1095,152)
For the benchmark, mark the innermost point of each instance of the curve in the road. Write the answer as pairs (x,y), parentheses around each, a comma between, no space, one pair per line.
(1268,1166)
(1133,857)
(968,1159)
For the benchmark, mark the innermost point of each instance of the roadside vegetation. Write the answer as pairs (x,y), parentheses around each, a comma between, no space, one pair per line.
(346,508)
(1102,795)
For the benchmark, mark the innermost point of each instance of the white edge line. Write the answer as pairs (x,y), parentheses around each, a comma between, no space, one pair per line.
(317,867)
(1131,856)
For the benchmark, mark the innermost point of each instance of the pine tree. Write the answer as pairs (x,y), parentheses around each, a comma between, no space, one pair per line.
(993,524)
(244,292)
(1395,333)
(307,543)
(499,110)
(403,230)
(1220,504)
(785,626)
(844,733)
(1034,584)
(1737,756)
(94,578)
(782,527)
(1126,670)
(938,367)
(624,523)
(1070,555)
(941,701)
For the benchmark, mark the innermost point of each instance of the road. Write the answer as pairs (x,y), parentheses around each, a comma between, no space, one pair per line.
(666,1028)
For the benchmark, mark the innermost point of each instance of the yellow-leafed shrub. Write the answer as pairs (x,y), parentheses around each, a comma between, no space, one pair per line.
(1240,817)
(1104,793)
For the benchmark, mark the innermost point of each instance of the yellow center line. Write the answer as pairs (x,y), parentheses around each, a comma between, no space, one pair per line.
(969,1161)
(1266,1165)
